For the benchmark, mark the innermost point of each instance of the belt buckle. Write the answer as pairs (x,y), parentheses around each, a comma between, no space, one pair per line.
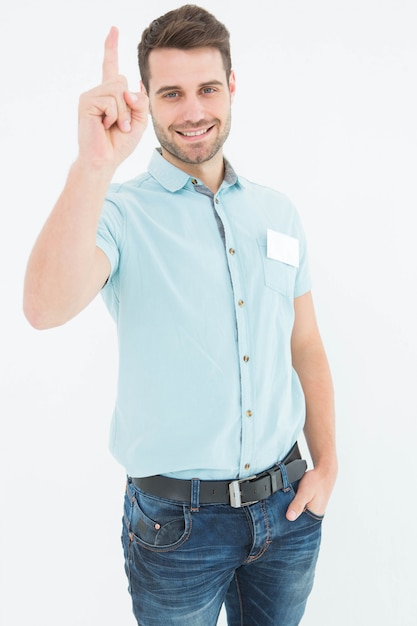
(236,496)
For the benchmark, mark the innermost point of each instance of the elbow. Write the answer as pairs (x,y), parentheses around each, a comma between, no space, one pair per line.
(38,317)
(40,309)
(39,324)
(36,320)
(31,314)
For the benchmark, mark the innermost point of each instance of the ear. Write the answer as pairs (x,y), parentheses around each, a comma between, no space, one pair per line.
(142,88)
(232,84)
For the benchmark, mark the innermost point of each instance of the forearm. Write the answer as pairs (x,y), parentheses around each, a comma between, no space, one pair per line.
(319,429)
(316,486)
(59,278)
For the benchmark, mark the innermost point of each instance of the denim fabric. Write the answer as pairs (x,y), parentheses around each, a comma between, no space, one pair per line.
(183,564)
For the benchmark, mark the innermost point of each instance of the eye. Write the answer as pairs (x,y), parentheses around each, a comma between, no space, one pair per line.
(171,95)
(208,90)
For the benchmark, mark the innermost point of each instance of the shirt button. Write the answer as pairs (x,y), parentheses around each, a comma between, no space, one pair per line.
(249,413)
(217,201)
(240,302)
(194,181)
(247,466)
(232,251)
(246,358)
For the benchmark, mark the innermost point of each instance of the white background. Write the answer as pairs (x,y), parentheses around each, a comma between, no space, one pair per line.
(325,112)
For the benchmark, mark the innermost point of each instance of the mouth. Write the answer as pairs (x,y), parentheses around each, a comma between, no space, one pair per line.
(194,133)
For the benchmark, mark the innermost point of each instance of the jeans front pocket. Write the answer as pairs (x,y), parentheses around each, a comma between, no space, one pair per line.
(315,516)
(157,524)
(310,514)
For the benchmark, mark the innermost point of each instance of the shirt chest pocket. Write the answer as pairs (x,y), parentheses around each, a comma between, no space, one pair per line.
(278,275)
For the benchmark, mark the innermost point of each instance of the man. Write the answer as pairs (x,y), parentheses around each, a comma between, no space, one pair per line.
(221,361)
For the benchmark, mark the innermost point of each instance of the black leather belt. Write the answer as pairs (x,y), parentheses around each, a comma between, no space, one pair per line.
(237,493)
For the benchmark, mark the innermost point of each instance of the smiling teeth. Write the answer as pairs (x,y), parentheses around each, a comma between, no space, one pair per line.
(195,133)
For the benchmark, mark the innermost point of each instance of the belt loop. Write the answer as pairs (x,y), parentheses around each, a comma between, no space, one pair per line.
(285,481)
(195,495)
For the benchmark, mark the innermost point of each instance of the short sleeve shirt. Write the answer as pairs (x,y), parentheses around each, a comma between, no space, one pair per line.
(202,290)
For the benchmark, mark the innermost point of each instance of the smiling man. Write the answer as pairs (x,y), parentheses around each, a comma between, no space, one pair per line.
(192,119)
(221,363)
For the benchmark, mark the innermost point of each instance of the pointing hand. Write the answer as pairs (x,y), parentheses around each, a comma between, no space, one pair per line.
(111,118)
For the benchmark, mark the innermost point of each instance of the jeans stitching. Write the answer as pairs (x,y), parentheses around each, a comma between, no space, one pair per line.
(239,595)
(267,543)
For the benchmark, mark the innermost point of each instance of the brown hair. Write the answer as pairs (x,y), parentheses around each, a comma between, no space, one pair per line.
(184,28)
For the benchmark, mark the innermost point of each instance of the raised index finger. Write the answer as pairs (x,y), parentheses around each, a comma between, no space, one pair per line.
(111,57)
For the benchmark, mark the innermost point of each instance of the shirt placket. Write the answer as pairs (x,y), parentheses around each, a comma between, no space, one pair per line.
(234,249)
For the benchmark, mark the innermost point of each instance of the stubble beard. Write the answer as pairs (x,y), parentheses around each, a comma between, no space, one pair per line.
(198,152)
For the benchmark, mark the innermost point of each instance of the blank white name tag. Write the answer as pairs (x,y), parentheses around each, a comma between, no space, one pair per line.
(282,248)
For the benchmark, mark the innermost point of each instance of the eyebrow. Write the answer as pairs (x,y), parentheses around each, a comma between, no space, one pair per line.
(207,83)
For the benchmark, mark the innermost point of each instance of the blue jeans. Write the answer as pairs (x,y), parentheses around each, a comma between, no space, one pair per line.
(182,564)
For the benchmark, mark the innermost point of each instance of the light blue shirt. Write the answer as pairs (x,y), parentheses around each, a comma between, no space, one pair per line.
(204,313)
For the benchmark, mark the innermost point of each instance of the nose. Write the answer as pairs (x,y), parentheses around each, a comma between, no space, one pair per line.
(193,109)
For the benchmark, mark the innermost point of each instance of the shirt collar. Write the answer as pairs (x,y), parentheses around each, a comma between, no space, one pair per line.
(173,179)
